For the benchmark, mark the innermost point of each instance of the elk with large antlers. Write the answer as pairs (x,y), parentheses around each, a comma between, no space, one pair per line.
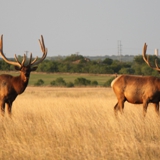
(11,86)
(137,89)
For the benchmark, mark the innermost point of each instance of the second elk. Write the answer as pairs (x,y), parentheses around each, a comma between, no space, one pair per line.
(137,89)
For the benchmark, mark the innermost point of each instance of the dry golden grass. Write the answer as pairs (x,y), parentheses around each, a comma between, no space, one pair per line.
(77,124)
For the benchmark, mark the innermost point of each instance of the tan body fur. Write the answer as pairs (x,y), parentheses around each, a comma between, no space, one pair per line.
(136,90)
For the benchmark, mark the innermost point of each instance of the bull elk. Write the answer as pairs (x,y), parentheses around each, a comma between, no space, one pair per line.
(137,89)
(11,86)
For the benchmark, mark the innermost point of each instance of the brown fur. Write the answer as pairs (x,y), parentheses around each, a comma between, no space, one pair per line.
(136,90)
(11,86)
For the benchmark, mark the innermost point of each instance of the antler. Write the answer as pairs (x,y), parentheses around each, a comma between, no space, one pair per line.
(146,58)
(44,51)
(20,64)
(4,57)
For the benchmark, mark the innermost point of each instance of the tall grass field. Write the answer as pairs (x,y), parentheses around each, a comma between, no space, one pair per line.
(77,124)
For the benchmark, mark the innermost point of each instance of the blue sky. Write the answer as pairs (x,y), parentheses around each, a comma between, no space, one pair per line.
(90,27)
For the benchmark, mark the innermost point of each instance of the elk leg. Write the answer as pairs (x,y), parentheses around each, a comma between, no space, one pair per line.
(2,108)
(145,105)
(9,108)
(116,109)
(156,105)
(121,106)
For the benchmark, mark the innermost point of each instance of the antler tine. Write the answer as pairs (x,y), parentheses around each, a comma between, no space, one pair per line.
(1,44)
(4,57)
(34,61)
(23,61)
(146,59)
(41,42)
(44,51)
(157,66)
(30,58)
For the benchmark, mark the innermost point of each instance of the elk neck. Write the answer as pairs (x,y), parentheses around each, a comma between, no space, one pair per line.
(20,83)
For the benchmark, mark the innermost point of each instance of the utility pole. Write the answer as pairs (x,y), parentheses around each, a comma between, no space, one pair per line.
(119,50)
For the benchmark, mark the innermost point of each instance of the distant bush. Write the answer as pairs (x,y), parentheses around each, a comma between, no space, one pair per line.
(82,82)
(40,82)
(69,84)
(58,82)
(53,83)
(94,83)
(108,83)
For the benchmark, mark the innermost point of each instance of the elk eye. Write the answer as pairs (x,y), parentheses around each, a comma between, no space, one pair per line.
(27,74)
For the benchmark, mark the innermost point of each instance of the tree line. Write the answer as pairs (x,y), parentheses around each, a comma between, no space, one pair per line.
(78,64)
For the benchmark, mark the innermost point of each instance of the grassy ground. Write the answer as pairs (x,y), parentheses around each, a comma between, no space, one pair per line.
(77,124)
(48,77)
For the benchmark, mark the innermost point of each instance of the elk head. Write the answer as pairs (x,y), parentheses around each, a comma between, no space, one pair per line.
(11,86)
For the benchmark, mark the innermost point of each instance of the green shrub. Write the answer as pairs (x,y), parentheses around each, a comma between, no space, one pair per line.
(40,82)
(69,84)
(58,82)
(82,82)
(53,83)
(94,83)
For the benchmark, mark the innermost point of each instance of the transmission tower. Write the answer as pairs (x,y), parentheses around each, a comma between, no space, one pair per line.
(119,50)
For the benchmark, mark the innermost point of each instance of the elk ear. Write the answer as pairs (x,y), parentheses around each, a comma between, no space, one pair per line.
(17,68)
(34,68)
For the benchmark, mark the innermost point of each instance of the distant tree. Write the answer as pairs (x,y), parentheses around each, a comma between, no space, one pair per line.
(126,71)
(107,61)
(48,66)
(138,60)
(116,67)
(137,70)
(5,66)
(147,70)
(73,58)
